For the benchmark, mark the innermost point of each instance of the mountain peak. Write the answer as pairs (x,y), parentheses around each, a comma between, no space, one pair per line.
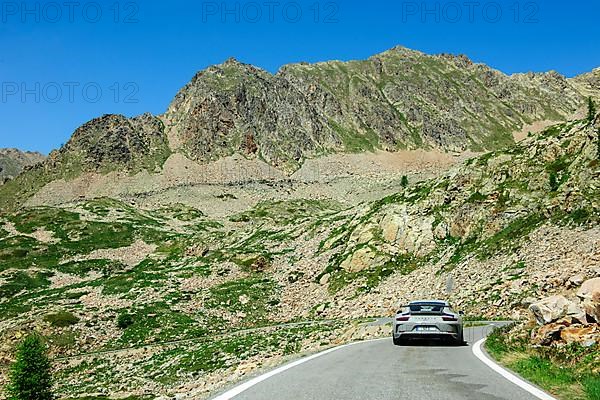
(232,61)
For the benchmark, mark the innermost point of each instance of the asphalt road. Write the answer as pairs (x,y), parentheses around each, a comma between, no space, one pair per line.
(378,370)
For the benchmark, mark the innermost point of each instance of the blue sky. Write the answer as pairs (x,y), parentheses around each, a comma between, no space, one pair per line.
(62,64)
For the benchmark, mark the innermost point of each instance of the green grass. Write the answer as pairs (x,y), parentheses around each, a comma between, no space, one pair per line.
(370,278)
(61,319)
(355,142)
(214,354)
(85,266)
(63,340)
(476,198)
(566,372)
(254,297)
(20,281)
(287,212)
(180,212)
(581,216)
(505,240)
(157,323)
(74,235)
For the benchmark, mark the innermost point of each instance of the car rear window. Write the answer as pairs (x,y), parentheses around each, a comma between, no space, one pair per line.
(426,308)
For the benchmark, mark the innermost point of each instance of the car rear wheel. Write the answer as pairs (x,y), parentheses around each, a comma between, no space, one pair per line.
(460,340)
(399,341)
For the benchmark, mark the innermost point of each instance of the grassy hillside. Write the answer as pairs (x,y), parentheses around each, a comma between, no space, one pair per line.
(174,298)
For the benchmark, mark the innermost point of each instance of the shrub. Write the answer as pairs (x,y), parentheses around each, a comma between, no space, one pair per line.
(553,182)
(591,110)
(124,320)
(260,264)
(477,198)
(579,216)
(404,181)
(61,319)
(30,377)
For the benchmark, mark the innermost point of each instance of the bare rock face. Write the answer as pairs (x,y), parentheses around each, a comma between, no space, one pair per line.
(410,233)
(359,261)
(395,100)
(236,107)
(111,143)
(548,333)
(400,99)
(564,331)
(588,83)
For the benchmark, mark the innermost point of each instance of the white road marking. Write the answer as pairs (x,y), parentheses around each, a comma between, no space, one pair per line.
(252,382)
(511,377)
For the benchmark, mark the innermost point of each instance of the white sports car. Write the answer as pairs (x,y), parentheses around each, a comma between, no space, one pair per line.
(428,319)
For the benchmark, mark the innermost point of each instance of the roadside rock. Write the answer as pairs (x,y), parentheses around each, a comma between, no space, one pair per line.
(550,309)
(528,301)
(590,295)
(579,333)
(576,280)
(548,334)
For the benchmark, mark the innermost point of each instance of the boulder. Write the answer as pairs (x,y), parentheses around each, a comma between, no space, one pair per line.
(579,333)
(576,280)
(592,307)
(408,233)
(548,334)
(390,224)
(589,293)
(588,288)
(576,313)
(553,308)
(526,302)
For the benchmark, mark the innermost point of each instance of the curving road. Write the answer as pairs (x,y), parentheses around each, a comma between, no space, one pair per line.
(378,370)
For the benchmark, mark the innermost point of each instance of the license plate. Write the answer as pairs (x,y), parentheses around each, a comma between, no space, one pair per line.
(426,329)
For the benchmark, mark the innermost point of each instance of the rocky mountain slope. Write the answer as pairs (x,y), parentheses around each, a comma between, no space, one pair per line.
(13,161)
(397,100)
(588,84)
(153,293)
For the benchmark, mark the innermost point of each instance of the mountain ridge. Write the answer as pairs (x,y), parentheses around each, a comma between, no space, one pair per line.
(400,99)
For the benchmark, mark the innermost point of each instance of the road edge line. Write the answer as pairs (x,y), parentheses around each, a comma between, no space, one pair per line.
(528,387)
(231,393)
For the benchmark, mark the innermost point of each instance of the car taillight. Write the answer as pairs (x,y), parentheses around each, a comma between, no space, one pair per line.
(403,318)
(449,318)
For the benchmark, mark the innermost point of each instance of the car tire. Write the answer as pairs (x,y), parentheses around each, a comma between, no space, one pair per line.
(460,340)
(399,341)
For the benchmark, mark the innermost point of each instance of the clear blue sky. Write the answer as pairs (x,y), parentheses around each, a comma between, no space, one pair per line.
(62,53)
